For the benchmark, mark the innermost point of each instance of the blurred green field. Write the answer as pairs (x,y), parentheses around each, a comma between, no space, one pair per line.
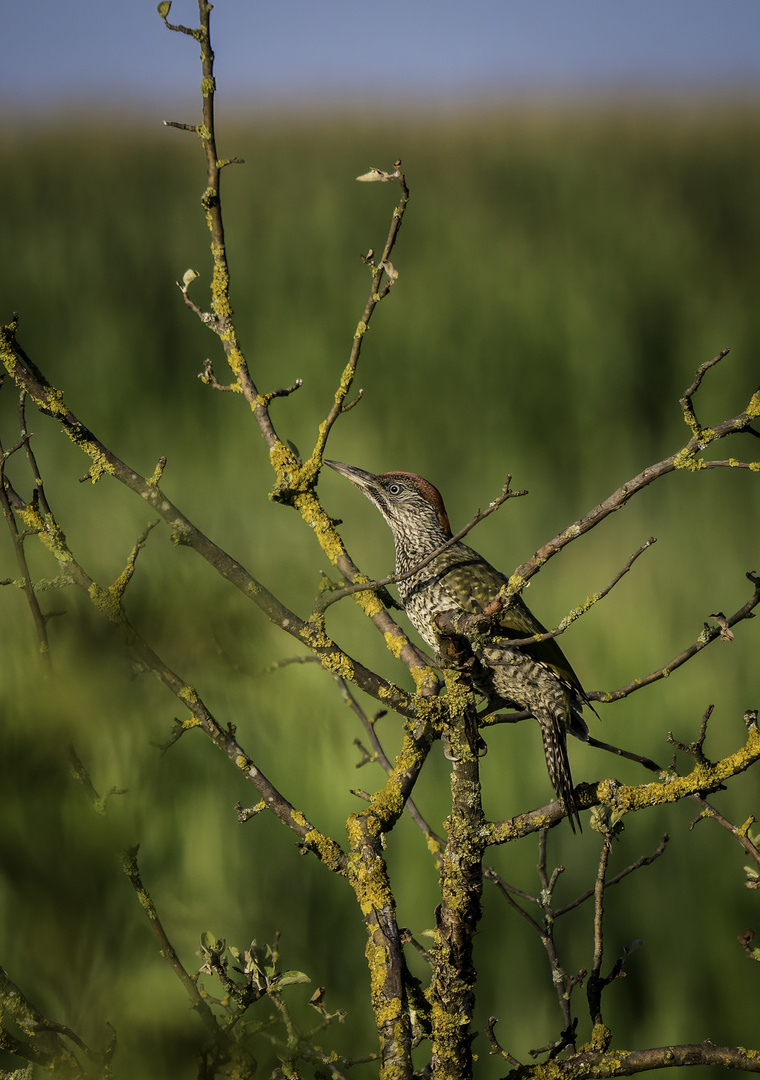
(562,273)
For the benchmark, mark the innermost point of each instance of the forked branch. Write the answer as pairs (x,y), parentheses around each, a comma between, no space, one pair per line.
(688,457)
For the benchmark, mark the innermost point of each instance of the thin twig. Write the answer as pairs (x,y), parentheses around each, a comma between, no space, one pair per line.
(221,319)
(131,869)
(559,975)
(509,892)
(576,613)
(645,860)
(708,635)
(435,842)
(391,579)
(596,983)
(82,776)
(686,458)
(695,749)
(686,401)
(496,1048)
(739,834)
(295,480)
(377,292)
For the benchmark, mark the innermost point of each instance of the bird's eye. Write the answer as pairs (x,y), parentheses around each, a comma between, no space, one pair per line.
(394,489)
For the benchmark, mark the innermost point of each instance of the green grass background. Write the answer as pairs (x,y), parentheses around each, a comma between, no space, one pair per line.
(562,273)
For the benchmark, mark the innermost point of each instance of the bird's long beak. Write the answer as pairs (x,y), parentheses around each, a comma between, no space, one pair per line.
(357,476)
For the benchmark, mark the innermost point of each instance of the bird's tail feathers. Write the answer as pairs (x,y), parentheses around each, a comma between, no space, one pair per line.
(558,765)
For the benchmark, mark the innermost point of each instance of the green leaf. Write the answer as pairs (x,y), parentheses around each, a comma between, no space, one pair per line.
(290,977)
(210,943)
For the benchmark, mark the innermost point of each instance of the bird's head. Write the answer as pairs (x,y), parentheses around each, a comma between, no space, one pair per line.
(412,506)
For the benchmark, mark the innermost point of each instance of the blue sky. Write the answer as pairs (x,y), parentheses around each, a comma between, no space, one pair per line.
(117,52)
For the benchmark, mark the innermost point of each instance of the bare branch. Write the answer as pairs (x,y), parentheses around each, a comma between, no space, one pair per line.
(378,291)
(208,377)
(740,833)
(284,392)
(686,403)
(694,749)
(596,983)
(496,1048)
(197,1000)
(108,603)
(81,775)
(644,860)
(708,635)
(686,458)
(560,979)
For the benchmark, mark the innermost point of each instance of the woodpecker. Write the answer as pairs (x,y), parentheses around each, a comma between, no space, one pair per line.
(537,677)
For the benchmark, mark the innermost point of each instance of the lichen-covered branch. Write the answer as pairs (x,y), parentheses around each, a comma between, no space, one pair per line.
(434,842)
(221,317)
(621,799)
(367,873)
(108,601)
(603,1064)
(25,582)
(50,401)
(295,482)
(452,987)
(45,1042)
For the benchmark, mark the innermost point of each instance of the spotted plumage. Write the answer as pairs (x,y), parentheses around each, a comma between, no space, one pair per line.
(535,677)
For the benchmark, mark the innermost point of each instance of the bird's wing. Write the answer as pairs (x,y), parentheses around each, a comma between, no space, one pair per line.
(517,621)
